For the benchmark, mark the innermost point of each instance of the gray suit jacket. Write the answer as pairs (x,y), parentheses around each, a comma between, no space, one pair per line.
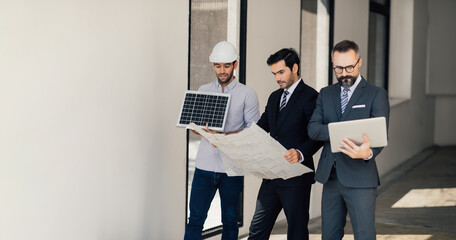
(357,173)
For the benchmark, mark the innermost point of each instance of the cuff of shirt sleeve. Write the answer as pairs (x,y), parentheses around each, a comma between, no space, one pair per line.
(372,154)
(301,159)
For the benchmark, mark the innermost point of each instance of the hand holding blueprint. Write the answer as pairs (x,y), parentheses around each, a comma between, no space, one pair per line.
(253,151)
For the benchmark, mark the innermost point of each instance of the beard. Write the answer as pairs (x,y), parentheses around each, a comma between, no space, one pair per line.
(230,76)
(287,82)
(346,81)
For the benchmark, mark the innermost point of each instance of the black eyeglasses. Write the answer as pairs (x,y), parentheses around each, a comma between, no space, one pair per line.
(348,69)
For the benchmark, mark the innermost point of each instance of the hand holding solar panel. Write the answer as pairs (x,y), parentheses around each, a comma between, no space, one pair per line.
(204,108)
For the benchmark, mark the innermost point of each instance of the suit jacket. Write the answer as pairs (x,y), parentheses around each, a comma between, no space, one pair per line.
(289,127)
(357,173)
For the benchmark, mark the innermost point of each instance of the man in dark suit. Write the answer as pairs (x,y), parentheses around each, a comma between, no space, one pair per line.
(350,177)
(286,116)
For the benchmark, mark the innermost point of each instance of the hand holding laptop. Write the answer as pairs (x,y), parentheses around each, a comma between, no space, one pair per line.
(354,133)
(354,151)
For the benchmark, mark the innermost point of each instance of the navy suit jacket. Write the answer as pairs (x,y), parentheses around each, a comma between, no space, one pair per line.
(289,126)
(357,173)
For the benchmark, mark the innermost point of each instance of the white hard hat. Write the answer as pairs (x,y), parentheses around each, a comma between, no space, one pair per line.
(223,52)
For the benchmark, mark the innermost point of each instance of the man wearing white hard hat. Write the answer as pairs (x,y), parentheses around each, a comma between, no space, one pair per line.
(209,171)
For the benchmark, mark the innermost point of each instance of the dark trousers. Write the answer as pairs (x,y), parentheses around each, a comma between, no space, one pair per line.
(271,199)
(204,186)
(337,200)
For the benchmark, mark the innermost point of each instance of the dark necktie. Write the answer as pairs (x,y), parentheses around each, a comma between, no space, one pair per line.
(283,103)
(344,99)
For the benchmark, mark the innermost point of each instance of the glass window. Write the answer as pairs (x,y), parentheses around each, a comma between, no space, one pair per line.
(316,42)
(211,21)
(378,43)
(381,2)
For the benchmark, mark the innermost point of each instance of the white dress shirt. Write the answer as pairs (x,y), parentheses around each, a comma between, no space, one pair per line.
(290,92)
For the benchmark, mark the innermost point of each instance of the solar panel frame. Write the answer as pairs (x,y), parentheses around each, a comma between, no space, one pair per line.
(202,107)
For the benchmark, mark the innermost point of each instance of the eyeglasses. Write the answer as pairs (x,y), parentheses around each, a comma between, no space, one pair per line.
(348,69)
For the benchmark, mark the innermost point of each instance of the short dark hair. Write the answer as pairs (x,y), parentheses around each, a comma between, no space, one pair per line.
(290,57)
(345,46)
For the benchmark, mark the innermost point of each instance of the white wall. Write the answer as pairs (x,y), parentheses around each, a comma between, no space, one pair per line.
(271,26)
(351,22)
(442,22)
(411,126)
(401,50)
(445,119)
(441,83)
(89,95)
(315,22)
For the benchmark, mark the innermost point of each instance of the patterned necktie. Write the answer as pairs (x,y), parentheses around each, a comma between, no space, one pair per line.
(344,99)
(283,103)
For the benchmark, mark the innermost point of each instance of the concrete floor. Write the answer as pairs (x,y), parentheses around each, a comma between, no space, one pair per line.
(427,215)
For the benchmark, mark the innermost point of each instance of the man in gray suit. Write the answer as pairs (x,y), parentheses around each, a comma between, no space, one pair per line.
(350,177)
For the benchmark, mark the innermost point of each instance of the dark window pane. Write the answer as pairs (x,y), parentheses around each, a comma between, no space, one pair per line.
(378,52)
(211,21)
(208,26)
(382,2)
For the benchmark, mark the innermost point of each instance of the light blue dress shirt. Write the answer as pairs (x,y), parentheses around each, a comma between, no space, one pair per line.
(352,88)
(350,93)
(243,110)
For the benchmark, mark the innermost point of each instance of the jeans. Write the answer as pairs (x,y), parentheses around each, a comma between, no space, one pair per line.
(204,186)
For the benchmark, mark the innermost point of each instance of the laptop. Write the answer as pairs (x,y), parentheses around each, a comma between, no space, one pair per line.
(373,128)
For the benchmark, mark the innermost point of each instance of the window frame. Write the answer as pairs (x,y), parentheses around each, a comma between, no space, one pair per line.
(242,76)
(383,9)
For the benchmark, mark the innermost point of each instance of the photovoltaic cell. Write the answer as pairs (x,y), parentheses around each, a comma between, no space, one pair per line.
(204,107)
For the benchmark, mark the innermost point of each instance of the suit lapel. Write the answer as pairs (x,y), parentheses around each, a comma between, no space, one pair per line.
(356,94)
(285,111)
(274,108)
(336,98)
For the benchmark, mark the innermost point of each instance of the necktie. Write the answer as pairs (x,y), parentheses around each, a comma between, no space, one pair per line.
(344,99)
(283,103)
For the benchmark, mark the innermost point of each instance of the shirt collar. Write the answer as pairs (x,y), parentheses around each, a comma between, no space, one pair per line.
(293,87)
(353,87)
(228,87)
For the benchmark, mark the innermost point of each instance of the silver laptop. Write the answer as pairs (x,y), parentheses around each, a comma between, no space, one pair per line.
(373,128)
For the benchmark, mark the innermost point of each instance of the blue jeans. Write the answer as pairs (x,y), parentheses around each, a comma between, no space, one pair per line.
(204,186)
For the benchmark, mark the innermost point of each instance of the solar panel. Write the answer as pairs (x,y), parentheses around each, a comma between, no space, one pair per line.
(204,107)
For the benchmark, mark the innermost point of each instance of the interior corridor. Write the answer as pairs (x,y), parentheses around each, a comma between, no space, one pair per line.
(415,201)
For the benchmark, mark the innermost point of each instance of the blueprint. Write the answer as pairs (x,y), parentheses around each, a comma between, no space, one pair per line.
(252,151)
